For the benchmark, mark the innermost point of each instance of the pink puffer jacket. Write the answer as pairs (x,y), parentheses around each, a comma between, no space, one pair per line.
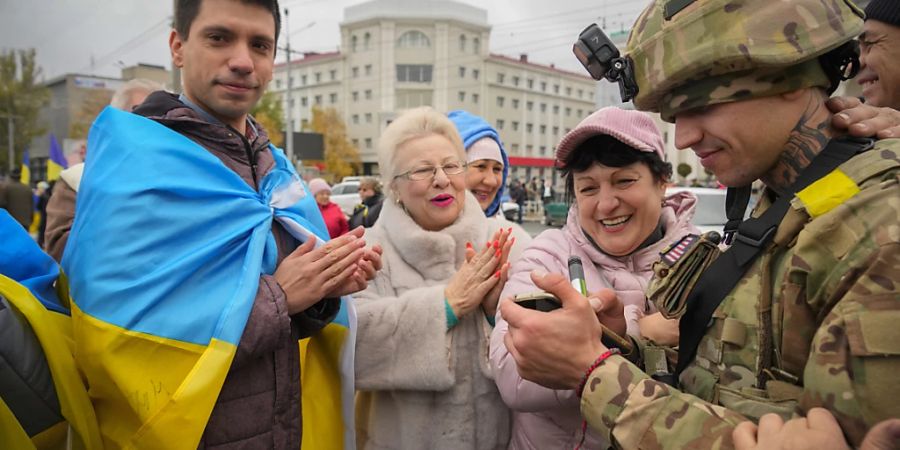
(550,419)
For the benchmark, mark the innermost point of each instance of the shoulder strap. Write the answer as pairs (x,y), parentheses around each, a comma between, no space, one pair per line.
(752,237)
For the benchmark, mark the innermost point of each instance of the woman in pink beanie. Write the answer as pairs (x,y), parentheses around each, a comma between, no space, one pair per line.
(620,219)
(335,219)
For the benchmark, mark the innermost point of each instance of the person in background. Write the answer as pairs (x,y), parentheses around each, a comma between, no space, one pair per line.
(44,189)
(331,212)
(18,199)
(879,44)
(547,193)
(487,168)
(620,220)
(422,367)
(366,213)
(60,209)
(518,194)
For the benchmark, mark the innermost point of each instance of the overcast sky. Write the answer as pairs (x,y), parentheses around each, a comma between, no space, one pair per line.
(100,36)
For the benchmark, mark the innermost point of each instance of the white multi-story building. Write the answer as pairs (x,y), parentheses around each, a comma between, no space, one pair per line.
(400,54)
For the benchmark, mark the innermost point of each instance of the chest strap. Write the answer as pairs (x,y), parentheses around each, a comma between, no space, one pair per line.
(753,236)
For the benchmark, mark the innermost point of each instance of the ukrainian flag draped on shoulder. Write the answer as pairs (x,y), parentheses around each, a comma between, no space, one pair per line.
(30,281)
(164,260)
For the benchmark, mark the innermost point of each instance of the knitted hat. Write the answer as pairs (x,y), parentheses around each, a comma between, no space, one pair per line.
(633,128)
(317,185)
(887,11)
(484,148)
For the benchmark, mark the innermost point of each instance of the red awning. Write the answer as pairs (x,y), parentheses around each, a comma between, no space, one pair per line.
(521,161)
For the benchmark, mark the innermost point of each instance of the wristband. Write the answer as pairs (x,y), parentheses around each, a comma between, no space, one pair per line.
(594,366)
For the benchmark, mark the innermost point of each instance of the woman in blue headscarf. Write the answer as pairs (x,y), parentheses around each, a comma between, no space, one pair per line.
(488,167)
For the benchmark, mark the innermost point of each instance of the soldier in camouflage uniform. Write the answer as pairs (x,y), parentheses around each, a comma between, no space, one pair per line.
(814,321)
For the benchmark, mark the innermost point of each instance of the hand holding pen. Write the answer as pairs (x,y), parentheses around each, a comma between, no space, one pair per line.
(613,308)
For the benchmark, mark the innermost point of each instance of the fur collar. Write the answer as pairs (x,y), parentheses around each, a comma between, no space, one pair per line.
(434,254)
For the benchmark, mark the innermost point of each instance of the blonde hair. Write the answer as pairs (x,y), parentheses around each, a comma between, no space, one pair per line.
(122,97)
(413,124)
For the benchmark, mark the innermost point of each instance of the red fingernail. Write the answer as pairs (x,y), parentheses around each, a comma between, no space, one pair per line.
(497,253)
(497,275)
(512,241)
(496,244)
(468,245)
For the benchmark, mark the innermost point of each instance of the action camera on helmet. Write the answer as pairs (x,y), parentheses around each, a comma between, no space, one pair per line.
(601,58)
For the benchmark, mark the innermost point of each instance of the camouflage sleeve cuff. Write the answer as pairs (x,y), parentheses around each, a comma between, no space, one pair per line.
(606,392)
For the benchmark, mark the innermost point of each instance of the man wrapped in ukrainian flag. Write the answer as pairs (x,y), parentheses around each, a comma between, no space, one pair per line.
(199,263)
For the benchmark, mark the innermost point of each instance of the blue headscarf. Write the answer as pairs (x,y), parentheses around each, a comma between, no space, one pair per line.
(472,128)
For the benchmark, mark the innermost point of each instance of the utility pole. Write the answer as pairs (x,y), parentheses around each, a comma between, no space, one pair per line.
(289,135)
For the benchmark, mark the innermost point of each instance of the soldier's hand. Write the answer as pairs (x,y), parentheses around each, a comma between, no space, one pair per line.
(554,349)
(660,330)
(885,435)
(862,120)
(817,431)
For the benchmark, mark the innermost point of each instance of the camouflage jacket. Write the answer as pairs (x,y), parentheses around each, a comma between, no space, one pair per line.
(832,278)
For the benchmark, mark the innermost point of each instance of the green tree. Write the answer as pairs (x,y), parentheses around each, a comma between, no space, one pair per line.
(22,97)
(93,104)
(269,114)
(341,156)
(684,169)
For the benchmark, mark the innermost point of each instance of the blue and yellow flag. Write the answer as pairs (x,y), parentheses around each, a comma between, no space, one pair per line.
(25,178)
(164,260)
(31,282)
(57,161)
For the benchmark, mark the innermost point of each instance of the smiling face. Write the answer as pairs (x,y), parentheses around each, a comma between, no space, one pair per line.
(323,197)
(618,207)
(226,58)
(435,202)
(484,178)
(880,78)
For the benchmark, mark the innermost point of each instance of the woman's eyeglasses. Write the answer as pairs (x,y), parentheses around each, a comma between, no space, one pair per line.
(423,173)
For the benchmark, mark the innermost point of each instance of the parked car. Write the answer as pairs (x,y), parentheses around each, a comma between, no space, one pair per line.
(346,195)
(710,212)
(555,213)
(510,211)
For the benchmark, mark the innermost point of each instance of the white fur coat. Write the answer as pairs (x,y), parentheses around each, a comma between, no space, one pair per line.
(420,384)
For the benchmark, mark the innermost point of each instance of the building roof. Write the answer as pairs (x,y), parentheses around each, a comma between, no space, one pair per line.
(416,9)
(64,77)
(552,68)
(309,57)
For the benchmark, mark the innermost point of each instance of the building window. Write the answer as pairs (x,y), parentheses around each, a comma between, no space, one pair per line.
(304,124)
(529,150)
(474,98)
(515,148)
(516,81)
(333,74)
(580,113)
(476,45)
(368,70)
(413,99)
(318,77)
(462,42)
(462,96)
(353,42)
(568,91)
(302,80)
(355,95)
(291,103)
(278,84)
(368,117)
(367,39)
(543,107)
(414,73)
(580,94)
(555,109)
(544,86)
(369,143)
(529,105)
(355,119)
(568,111)
(332,97)
(515,125)
(515,103)
(475,73)
(355,72)
(529,127)
(355,142)
(462,72)
(500,101)
(318,100)
(555,131)
(543,129)
(304,101)
(500,78)
(543,150)
(530,83)
(500,124)
(556,89)
(413,39)
(368,94)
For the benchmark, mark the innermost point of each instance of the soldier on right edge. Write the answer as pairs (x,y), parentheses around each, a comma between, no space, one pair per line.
(803,310)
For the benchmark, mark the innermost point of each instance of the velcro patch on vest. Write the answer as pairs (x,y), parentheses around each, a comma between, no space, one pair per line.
(827,193)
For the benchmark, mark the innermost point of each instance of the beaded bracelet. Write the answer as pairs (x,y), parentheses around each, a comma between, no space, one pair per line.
(594,366)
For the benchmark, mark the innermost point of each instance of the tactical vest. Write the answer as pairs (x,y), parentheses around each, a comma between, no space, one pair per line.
(752,357)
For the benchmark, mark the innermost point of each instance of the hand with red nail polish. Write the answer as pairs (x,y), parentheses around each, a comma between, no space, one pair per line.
(474,280)
(504,242)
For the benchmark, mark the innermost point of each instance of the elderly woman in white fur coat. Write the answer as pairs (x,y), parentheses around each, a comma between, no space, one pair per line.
(422,364)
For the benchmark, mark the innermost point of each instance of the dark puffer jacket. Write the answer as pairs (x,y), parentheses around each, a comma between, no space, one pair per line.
(259,405)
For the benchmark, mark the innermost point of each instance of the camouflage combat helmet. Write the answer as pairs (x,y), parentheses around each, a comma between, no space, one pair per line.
(688,54)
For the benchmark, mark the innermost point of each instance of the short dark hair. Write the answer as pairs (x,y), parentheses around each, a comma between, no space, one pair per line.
(610,152)
(186,11)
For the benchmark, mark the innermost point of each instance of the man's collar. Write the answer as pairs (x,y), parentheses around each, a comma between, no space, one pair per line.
(251,129)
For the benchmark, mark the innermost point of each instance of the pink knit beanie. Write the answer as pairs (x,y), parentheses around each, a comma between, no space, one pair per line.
(633,128)
(317,185)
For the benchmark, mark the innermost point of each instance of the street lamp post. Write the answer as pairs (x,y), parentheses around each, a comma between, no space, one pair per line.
(290,81)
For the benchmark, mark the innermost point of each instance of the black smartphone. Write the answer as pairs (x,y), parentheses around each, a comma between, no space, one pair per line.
(538,301)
